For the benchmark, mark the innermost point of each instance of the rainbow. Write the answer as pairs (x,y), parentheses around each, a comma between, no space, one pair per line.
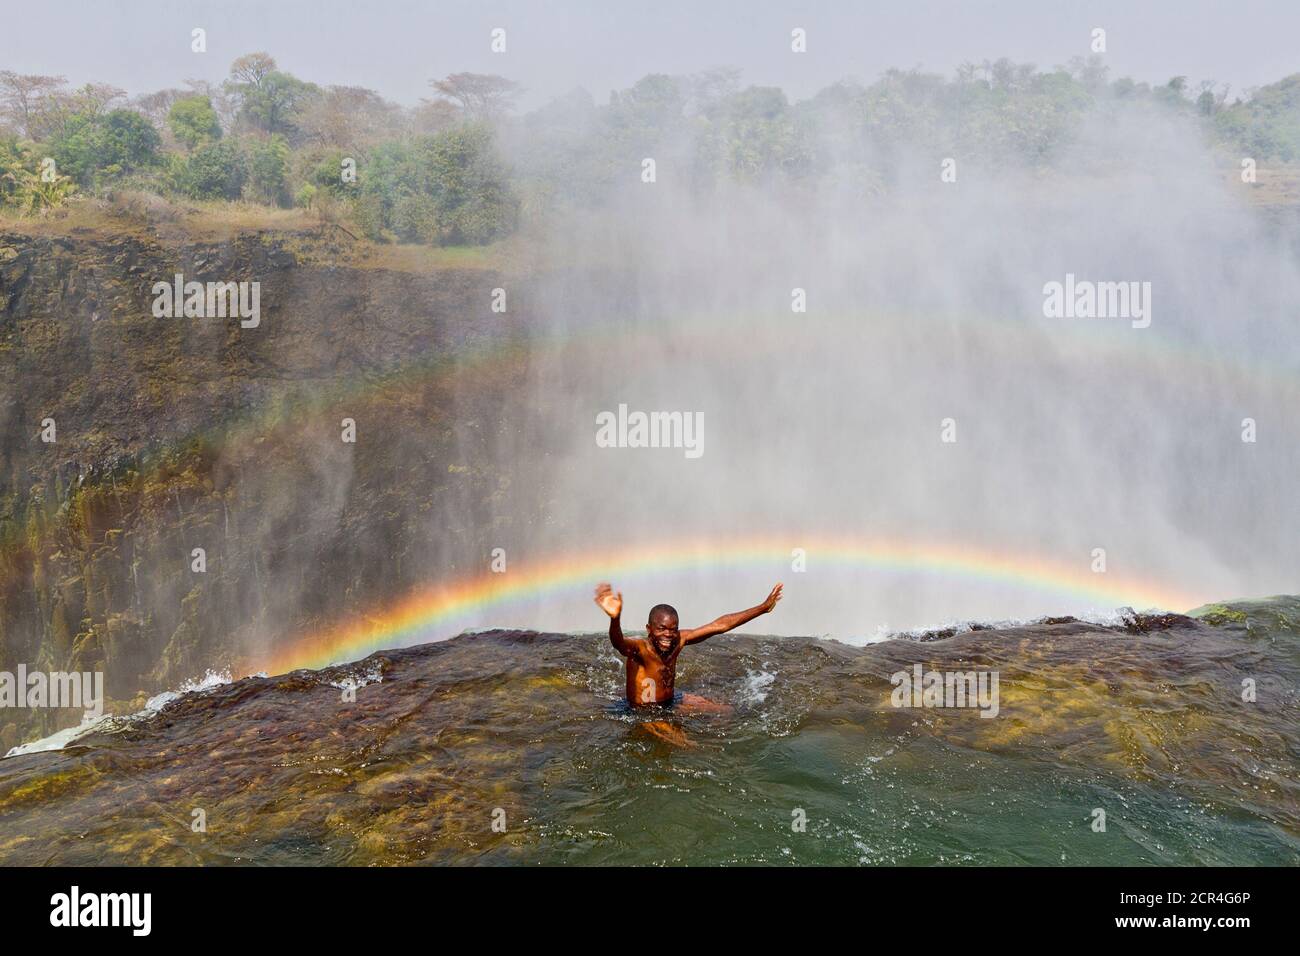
(421,615)
(489,358)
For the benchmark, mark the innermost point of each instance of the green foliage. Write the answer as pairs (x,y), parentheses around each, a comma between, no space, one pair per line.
(26,185)
(433,174)
(753,135)
(194,122)
(1268,125)
(324,170)
(13,163)
(75,148)
(448,188)
(1032,123)
(271,105)
(414,218)
(268,170)
(471,193)
(130,140)
(216,171)
(368,211)
(92,148)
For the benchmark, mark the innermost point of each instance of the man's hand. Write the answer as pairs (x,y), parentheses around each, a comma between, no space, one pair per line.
(772,598)
(610,602)
(729,621)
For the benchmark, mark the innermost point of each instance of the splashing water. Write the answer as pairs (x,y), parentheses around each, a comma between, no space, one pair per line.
(1145,721)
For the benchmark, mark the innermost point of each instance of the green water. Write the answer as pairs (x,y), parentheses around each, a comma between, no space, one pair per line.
(527,730)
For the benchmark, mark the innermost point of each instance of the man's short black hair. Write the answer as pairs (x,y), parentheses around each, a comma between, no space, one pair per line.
(662,609)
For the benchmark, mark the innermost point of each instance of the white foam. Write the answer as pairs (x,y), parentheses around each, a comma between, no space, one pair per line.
(208,681)
(354,681)
(60,739)
(1114,617)
(754,690)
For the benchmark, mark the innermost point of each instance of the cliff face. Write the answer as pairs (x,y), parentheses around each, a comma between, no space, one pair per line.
(176,434)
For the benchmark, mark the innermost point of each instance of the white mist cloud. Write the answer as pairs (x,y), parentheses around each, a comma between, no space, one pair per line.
(924,303)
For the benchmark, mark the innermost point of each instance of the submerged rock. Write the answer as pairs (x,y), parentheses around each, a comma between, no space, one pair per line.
(515,747)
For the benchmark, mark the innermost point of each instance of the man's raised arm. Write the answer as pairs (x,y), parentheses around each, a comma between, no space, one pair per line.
(730,621)
(612,604)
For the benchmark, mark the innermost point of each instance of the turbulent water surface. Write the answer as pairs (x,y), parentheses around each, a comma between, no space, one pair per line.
(1145,721)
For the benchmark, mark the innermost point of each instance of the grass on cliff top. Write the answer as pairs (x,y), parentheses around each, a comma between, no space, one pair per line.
(155,219)
(1276,184)
(152,218)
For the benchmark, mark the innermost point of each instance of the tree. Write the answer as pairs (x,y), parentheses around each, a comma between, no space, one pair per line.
(24,186)
(434,116)
(448,188)
(194,122)
(23,97)
(1090,73)
(705,90)
(752,134)
(250,70)
(95,98)
(129,140)
(12,160)
(268,169)
(156,106)
(267,98)
(1123,88)
(348,116)
(1266,123)
(270,108)
(215,171)
(222,98)
(482,96)
(89,147)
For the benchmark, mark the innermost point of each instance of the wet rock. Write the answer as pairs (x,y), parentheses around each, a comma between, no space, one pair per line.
(178,434)
(527,729)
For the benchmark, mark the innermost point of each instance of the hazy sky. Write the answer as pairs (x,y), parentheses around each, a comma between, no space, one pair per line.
(395,46)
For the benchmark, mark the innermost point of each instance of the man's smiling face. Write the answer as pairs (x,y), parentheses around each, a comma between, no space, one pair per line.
(662,630)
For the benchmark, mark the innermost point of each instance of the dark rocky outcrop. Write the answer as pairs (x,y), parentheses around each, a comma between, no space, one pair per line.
(174,434)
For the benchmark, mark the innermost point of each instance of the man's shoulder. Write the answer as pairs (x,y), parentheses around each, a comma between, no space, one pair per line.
(633,646)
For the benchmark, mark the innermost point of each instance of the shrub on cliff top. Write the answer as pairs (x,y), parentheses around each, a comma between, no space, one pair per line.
(268,171)
(449,188)
(92,148)
(194,122)
(25,185)
(216,171)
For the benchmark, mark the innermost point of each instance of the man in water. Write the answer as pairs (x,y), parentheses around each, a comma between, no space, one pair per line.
(652,661)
